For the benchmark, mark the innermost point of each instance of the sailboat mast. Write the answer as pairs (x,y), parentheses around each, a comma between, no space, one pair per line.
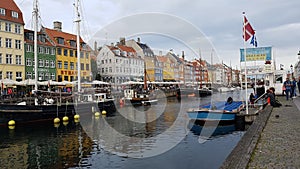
(35,16)
(78,44)
(200,70)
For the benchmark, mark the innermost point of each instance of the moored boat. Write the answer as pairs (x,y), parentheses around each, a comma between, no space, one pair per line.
(218,111)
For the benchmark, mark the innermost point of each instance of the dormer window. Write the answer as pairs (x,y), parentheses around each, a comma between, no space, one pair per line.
(2,11)
(42,38)
(60,41)
(83,45)
(72,43)
(14,14)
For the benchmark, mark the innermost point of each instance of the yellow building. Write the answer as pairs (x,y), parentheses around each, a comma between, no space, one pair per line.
(66,54)
(11,41)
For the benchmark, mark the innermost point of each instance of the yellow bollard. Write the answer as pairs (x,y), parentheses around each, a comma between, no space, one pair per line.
(56,120)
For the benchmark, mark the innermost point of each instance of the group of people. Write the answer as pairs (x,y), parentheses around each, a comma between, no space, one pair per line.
(289,88)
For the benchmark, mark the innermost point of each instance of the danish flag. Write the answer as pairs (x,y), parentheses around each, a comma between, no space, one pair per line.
(247,29)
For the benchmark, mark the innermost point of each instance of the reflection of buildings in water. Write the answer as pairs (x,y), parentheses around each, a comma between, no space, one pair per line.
(139,132)
(44,147)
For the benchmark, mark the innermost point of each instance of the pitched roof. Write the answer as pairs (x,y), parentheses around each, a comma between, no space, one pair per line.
(9,6)
(126,48)
(28,40)
(53,34)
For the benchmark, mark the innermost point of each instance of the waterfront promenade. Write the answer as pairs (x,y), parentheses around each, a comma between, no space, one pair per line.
(272,141)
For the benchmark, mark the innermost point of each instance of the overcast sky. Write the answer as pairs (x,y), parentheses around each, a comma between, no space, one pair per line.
(208,27)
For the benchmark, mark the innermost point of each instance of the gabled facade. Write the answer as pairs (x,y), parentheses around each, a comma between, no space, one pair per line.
(118,64)
(66,54)
(46,57)
(11,41)
(146,53)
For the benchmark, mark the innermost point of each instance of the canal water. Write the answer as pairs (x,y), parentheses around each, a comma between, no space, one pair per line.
(157,136)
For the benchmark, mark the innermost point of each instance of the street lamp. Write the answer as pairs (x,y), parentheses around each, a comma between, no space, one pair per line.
(292,71)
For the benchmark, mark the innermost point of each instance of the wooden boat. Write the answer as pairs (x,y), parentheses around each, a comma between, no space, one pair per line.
(218,111)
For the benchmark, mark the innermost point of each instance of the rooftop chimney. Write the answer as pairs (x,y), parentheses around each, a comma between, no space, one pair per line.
(122,41)
(57,25)
(95,46)
(182,55)
(139,40)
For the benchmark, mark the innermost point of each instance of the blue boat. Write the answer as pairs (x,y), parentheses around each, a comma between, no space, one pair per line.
(218,111)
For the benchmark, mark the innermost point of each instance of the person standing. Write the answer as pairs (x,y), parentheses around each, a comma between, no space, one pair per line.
(287,84)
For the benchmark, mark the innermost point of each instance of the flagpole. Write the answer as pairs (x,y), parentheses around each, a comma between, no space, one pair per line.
(246,85)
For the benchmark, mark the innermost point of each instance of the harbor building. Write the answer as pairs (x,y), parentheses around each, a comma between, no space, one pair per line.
(66,54)
(11,41)
(46,57)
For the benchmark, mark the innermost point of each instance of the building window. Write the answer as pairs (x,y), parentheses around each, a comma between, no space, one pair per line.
(58,51)
(52,64)
(41,63)
(66,64)
(0,59)
(1,76)
(2,11)
(7,27)
(46,76)
(72,43)
(81,54)
(41,49)
(28,75)
(66,78)
(52,51)
(14,14)
(18,60)
(65,52)
(71,53)
(18,75)
(17,29)
(72,65)
(59,64)
(52,76)
(28,62)
(47,50)
(41,76)
(47,63)
(28,48)
(9,75)
(87,66)
(60,41)
(0,38)
(82,66)
(8,59)
(87,55)
(18,44)
(8,43)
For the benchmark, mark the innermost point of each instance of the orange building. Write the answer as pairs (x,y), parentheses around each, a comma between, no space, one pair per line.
(66,54)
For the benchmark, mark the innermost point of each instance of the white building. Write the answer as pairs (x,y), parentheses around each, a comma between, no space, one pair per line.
(118,64)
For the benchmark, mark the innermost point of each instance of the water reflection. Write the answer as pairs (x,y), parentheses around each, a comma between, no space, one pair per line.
(100,142)
(43,146)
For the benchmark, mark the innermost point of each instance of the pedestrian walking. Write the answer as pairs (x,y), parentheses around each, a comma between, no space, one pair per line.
(294,85)
(288,85)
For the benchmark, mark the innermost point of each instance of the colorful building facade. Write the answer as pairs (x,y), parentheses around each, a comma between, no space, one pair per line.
(11,41)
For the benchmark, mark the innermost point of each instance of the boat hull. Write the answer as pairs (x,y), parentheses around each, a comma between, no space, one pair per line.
(27,114)
(211,116)
(30,113)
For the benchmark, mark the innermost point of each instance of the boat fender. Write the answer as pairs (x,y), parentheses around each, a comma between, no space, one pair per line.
(11,124)
(66,118)
(56,120)
(97,114)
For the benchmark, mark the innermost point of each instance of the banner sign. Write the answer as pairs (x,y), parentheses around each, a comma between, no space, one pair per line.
(256,54)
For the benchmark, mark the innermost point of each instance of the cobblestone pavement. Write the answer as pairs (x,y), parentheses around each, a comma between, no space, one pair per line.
(279,143)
